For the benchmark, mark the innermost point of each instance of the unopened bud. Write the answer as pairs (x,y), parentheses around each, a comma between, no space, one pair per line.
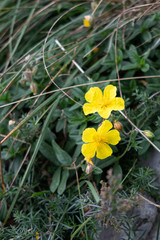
(118,126)
(148,133)
(11,122)
(88,21)
(27,58)
(94,5)
(33,87)
(89,168)
(34,70)
(23,82)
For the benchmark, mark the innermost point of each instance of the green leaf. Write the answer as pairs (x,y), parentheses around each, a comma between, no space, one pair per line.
(129,66)
(97,171)
(48,152)
(55,180)
(37,147)
(106,162)
(63,157)
(3,210)
(62,186)
(77,92)
(157,134)
(39,193)
(145,68)
(133,55)
(60,124)
(143,147)
(93,191)
(147,36)
(117,170)
(157,143)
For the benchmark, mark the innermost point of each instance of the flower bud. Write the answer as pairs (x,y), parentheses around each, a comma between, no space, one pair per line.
(89,168)
(23,82)
(88,21)
(11,122)
(148,133)
(27,58)
(34,70)
(118,126)
(94,5)
(33,87)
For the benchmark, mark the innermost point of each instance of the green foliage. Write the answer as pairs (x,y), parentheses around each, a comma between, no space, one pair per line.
(48,82)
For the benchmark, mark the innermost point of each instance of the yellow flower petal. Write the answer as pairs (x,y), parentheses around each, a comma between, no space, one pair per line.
(88,135)
(117,104)
(109,93)
(112,137)
(105,112)
(88,150)
(89,108)
(94,95)
(103,151)
(89,160)
(104,128)
(86,23)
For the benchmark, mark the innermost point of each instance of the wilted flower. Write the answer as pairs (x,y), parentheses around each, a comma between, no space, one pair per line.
(104,103)
(96,142)
(33,87)
(88,21)
(89,168)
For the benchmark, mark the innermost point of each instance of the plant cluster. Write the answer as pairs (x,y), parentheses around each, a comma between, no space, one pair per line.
(77,78)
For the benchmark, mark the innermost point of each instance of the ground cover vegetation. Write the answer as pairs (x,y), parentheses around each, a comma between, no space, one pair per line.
(79,109)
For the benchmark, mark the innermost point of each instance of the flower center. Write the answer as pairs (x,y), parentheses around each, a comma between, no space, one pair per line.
(97,139)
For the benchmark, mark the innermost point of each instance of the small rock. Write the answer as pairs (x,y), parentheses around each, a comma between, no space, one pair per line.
(145,215)
(153,234)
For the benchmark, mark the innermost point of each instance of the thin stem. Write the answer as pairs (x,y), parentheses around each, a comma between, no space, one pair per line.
(126,147)
(80,85)
(97,7)
(1,172)
(79,192)
(141,132)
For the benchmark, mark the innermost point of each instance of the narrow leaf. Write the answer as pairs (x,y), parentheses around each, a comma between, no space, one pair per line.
(62,185)
(55,180)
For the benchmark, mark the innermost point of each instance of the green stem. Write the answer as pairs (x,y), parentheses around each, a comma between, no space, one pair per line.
(80,227)
(126,148)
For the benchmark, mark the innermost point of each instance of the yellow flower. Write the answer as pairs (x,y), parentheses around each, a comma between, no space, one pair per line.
(97,141)
(95,50)
(88,21)
(37,235)
(104,103)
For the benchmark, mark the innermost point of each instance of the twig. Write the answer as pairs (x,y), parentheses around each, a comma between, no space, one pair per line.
(81,85)
(150,202)
(1,172)
(141,132)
